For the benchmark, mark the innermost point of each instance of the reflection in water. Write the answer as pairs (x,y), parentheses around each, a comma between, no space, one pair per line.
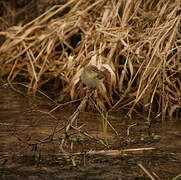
(171,133)
(26,118)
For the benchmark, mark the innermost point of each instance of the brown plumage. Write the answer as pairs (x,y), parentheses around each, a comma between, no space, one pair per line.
(92,77)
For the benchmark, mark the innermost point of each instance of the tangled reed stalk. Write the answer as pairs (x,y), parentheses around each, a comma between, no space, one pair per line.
(138,42)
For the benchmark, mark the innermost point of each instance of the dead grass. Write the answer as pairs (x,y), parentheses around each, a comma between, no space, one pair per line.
(138,42)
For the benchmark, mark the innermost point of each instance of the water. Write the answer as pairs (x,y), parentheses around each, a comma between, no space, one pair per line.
(25,120)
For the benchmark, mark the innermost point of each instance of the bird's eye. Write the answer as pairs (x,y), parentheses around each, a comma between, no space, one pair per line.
(94,69)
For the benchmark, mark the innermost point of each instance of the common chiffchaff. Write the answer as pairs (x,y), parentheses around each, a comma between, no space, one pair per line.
(92,77)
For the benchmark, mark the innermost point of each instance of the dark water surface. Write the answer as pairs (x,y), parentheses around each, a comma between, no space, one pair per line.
(25,120)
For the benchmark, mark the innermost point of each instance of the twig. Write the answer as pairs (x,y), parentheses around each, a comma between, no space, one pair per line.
(89,136)
(114,152)
(74,116)
(146,171)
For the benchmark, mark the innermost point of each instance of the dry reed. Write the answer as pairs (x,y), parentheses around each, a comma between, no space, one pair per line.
(138,42)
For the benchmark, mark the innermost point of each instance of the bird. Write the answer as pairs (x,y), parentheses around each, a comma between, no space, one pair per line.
(92,77)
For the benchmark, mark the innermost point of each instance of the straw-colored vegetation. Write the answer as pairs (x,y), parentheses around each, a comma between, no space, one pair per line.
(138,42)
